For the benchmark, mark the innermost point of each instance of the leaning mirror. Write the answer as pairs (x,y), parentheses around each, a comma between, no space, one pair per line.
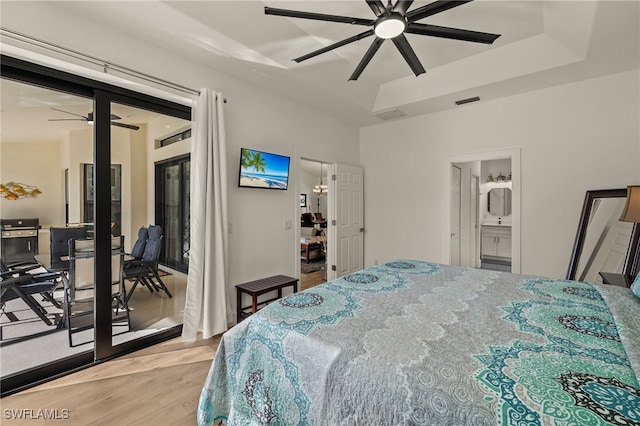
(603,243)
(499,202)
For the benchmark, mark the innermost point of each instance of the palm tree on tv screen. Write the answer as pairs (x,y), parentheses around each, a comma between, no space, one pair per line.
(257,162)
(246,159)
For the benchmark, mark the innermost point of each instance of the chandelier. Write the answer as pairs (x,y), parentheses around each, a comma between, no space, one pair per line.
(320,189)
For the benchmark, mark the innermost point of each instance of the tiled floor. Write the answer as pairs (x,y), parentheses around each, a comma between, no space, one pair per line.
(150,313)
(496,265)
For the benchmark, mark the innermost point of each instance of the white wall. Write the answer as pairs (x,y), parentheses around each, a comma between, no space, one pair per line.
(254,118)
(33,167)
(573,138)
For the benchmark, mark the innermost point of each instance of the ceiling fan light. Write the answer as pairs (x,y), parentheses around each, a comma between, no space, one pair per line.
(390,26)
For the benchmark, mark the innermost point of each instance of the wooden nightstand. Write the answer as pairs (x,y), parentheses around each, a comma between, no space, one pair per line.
(620,280)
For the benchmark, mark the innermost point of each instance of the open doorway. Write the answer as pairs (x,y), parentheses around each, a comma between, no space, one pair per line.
(314,195)
(484,212)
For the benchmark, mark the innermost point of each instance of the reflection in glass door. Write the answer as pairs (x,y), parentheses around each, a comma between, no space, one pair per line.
(173,197)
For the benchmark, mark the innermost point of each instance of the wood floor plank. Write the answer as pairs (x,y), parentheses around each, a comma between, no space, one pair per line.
(311,280)
(159,386)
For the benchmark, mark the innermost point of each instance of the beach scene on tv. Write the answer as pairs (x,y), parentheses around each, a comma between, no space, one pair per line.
(263,170)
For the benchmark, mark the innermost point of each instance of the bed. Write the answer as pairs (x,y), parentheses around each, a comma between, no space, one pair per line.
(412,342)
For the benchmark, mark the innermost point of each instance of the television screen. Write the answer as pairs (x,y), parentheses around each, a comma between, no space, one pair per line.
(260,169)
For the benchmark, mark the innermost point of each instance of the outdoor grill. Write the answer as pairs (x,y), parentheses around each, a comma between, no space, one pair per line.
(19,240)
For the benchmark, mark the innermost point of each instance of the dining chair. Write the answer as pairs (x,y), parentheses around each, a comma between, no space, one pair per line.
(306,220)
(145,270)
(137,251)
(59,238)
(80,287)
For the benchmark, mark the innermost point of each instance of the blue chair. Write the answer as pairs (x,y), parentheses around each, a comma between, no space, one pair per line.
(59,239)
(137,251)
(145,270)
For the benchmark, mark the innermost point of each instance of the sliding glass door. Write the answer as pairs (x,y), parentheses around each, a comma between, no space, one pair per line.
(154,293)
(172,210)
(93,166)
(45,138)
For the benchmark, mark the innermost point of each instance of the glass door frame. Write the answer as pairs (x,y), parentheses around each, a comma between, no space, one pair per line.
(103,95)
(160,197)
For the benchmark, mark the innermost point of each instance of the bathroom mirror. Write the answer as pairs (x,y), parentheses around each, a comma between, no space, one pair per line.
(603,243)
(499,202)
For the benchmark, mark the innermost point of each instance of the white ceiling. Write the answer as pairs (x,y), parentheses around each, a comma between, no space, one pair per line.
(28,112)
(542,43)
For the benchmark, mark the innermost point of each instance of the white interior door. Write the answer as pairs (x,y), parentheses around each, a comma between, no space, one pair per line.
(346,227)
(610,252)
(475,217)
(456,189)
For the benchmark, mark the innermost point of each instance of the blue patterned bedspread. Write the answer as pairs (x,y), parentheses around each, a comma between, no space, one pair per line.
(411,342)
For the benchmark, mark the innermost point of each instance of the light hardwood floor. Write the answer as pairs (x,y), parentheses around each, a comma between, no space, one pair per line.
(159,386)
(311,279)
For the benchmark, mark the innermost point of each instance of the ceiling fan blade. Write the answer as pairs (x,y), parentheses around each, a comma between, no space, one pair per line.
(67,112)
(402,6)
(111,116)
(377,7)
(409,55)
(317,16)
(433,8)
(67,119)
(451,33)
(366,58)
(126,126)
(334,45)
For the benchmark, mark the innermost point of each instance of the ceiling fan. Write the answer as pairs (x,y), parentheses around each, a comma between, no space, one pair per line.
(392,22)
(89,119)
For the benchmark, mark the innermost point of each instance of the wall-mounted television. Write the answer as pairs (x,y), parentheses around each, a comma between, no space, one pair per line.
(259,169)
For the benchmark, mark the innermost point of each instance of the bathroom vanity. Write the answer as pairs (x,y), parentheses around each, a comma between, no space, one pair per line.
(495,234)
(496,242)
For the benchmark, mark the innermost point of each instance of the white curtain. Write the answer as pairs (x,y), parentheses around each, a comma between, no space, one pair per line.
(207,305)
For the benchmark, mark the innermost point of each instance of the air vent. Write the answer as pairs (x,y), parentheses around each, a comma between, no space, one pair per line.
(468,100)
(390,114)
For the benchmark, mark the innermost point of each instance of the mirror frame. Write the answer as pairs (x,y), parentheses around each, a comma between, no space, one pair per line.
(633,251)
(504,204)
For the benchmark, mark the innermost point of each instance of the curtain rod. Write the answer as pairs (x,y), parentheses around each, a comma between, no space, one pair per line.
(106,65)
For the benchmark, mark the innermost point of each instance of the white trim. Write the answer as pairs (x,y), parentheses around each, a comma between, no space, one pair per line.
(516,209)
